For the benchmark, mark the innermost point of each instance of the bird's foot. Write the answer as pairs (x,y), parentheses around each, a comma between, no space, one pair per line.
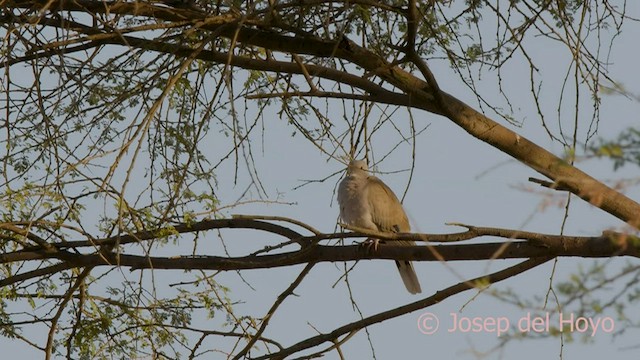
(371,245)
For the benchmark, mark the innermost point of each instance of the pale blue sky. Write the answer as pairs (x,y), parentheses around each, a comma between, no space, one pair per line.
(446,187)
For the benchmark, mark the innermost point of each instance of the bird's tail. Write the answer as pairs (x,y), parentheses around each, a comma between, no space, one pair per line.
(409,276)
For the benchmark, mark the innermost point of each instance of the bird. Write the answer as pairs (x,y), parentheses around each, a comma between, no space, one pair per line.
(367,202)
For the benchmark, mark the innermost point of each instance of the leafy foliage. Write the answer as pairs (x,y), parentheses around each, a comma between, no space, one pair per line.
(622,150)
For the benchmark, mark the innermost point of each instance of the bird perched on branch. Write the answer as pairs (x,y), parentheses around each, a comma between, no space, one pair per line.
(366,202)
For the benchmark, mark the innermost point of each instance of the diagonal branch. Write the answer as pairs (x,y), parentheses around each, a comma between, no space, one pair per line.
(420,304)
(272,310)
(54,322)
(35,273)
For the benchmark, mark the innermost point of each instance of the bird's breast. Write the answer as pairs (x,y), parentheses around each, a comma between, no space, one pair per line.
(354,207)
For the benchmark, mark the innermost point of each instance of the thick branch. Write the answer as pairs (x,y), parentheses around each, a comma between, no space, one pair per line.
(537,244)
(35,273)
(489,251)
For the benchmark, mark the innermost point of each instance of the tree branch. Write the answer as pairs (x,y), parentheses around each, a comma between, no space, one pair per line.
(535,245)
(272,310)
(486,251)
(420,304)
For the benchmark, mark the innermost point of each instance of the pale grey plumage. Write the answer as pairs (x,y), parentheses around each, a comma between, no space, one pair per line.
(366,202)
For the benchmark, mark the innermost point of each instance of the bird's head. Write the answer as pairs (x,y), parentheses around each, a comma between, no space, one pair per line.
(357,167)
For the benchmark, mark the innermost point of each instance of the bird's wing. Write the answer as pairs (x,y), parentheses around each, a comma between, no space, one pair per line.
(386,211)
(388,215)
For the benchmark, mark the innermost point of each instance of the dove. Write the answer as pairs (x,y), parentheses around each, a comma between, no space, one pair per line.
(367,202)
